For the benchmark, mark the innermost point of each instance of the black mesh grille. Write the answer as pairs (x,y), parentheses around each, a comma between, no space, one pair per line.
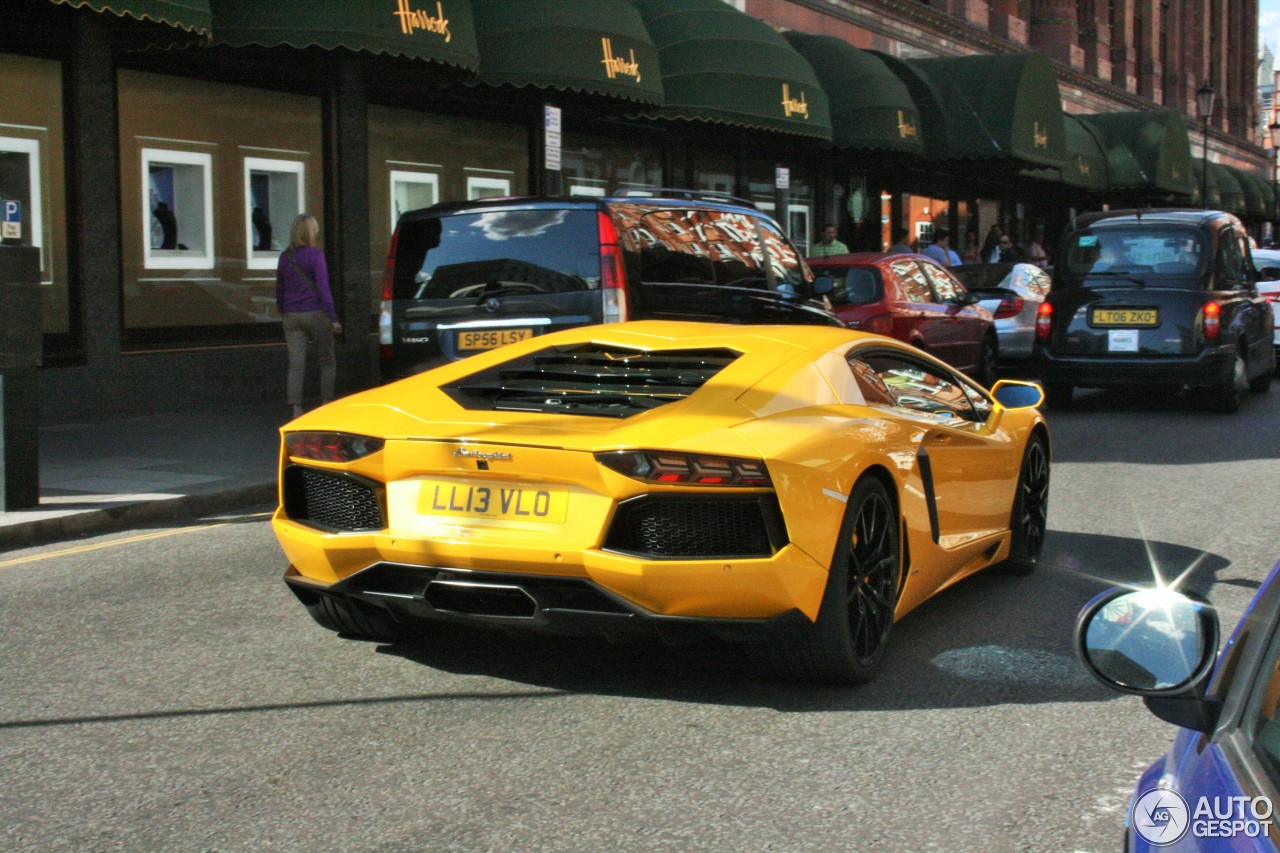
(703,527)
(329,500)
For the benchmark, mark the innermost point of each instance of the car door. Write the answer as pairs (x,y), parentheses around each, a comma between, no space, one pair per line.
(963,326)
(971,461)
(918,315)
(1256,313)
(1220,778)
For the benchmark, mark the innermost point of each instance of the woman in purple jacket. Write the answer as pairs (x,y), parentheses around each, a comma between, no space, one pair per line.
(306,307)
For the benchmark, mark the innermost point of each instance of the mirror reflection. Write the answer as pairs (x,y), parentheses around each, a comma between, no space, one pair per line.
(1018,396)
(1150,639)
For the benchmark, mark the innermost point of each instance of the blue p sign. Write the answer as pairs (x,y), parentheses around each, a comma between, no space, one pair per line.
(11,222)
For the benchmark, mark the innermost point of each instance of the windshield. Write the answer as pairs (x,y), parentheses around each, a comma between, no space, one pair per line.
(1174,256)
(498,252)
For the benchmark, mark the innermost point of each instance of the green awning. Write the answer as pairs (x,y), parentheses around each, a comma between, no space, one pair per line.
(1229,188)
(1002,107)
(1086,164)
(435,30)
(1156,140)
(595,46)
(1214,201)
(191,15)
(870,107)
(722,66)
(1255,203)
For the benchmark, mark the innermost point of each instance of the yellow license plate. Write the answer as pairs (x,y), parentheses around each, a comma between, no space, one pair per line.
(1125,317)
(490,338)
(513,503)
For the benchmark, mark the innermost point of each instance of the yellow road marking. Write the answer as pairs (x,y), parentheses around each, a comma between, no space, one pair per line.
(130,539)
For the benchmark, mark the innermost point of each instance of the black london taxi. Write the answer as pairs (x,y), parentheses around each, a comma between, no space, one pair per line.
(1158,298)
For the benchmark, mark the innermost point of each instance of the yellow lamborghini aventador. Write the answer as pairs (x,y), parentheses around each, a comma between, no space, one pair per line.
(794,488)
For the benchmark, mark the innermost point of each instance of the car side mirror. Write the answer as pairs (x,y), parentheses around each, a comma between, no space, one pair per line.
(1157,643)
(1013,394)
(822,284)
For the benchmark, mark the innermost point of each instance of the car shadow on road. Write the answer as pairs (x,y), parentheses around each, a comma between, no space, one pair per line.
(1142,426)
(990,640)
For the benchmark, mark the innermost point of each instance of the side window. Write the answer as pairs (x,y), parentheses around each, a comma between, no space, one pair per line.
(1230,272)
(783,258)
(873,389)
(1038,282)
(734,245)
(912,281)
(671,250)
(946,287)
(920,387)
(858,286)
(1261,718)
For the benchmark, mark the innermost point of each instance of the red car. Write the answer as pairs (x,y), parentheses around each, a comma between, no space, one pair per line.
(913,299)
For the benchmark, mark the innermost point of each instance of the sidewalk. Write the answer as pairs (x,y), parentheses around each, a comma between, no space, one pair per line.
(110,475)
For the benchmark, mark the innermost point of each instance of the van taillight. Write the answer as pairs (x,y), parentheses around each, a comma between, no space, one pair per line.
(385,333)
(1212,320)
(1044,320)
(613,274)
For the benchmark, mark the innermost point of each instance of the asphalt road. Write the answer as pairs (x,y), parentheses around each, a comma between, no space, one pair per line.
(161,690)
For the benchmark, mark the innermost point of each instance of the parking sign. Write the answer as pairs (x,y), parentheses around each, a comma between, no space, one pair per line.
(11,224)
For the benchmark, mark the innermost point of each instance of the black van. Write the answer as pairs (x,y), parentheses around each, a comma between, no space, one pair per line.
(470,276)
(1155,298)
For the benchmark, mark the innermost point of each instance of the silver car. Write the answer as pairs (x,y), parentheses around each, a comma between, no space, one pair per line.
(1267,262)
(1012,293)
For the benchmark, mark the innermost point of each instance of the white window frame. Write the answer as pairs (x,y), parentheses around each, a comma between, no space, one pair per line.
(256,260)
(503,185)
(177,259)
(406,177)
(31,147)
(587,190)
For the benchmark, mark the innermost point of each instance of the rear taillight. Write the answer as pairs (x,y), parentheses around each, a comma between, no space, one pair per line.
(330,446)
(613,273)
(1044,320)
(385,337)
(1010,306)
(656,466)
(880,324)
(1212,320)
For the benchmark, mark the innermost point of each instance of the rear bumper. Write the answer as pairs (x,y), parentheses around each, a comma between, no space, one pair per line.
(522,602)
(1211,367)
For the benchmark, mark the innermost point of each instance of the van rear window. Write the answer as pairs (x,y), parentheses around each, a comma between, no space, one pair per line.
(497,252)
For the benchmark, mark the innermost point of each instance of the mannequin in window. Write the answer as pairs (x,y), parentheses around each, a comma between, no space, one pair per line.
(262,224)
(168,225)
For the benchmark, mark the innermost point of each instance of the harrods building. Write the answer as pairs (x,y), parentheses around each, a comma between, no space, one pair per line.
(161,148)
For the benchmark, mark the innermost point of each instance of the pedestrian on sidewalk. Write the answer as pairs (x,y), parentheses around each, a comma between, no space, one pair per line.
(828,245)
(940,249)
(306,309)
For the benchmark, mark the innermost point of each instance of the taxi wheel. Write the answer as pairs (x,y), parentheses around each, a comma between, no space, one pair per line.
(848,640)
(1227,397)
(362,621)
(1030,517)
(1262,384)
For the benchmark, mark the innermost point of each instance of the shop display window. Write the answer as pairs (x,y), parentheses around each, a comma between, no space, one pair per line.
(412,191)
(478,187)
(20,181)
(275,193)
(178,209)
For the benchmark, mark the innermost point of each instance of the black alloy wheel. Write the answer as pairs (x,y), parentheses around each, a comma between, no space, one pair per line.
(871,577)
(1030,516)
(847,641)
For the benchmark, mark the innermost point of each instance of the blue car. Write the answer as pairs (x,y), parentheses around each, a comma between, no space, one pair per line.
(1216,787)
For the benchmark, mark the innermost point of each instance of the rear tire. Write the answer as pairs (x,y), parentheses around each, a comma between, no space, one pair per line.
(988,360)
(1226,398)
(362,621)
(848,640)
(1057,397)
(1262,384)
(1030,515)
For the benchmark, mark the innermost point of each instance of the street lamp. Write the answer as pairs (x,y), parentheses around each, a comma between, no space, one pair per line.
(1204,107)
